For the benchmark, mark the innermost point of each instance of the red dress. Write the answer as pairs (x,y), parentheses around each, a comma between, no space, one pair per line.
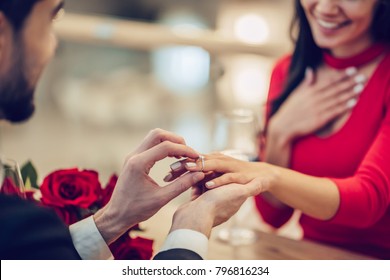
(357,159)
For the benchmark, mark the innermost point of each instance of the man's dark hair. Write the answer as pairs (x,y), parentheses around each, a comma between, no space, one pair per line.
(308,54)
(17,11)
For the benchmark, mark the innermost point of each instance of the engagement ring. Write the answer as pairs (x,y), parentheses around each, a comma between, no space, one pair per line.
(202,161)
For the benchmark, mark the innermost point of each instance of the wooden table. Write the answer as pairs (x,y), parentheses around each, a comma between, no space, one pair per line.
(272,247)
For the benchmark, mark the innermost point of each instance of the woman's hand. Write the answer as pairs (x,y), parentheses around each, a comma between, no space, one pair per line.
(318,100)
(316,197)
(221,170)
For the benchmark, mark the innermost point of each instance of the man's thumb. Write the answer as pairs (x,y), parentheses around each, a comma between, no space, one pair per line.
(181,185)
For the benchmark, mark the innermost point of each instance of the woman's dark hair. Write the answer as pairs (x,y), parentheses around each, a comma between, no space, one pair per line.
(17,11)
(308,54)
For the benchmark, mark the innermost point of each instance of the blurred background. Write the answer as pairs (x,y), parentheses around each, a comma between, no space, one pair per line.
(124,67)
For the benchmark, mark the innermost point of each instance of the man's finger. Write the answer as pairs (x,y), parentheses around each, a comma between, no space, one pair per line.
(182,184)
(157,136)
(173,175)
(177,169)
(163,150)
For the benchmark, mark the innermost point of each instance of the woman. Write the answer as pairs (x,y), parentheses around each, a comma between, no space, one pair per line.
(328,130)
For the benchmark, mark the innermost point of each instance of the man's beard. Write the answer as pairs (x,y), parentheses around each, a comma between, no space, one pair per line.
(16,95)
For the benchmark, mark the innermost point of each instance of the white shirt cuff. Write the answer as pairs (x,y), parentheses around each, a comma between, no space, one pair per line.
(88,241)
(187,239)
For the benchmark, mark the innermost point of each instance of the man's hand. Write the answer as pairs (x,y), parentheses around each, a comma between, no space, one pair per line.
(137,197)
(214,207)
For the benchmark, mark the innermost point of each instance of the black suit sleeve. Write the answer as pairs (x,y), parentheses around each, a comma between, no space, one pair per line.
(30,232)
(177,254)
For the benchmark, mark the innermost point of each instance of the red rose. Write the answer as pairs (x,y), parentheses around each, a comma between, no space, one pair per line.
(108,190)
(71,187)
(9,188)
(126,248)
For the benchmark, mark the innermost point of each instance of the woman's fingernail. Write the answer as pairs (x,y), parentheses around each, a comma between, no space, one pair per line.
(351,103)
(210,184)
(359,79)
(350,71)
(176,166)
(191,164)
(168,178)
(358,88)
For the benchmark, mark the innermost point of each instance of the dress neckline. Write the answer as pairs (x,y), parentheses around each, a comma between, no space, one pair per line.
(366,56)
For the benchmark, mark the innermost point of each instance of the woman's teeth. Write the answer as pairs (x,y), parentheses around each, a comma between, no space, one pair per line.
(329,25)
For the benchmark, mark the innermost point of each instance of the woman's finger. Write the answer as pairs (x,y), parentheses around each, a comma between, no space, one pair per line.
(343,100)
(337,110)
(350,85)
(216,164)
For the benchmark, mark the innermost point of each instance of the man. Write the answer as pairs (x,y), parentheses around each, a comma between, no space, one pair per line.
(27,44)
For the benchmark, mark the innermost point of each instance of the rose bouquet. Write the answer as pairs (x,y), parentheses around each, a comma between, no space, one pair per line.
(76,194)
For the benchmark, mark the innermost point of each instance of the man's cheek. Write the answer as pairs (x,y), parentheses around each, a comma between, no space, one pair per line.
(36,64)
(33,72)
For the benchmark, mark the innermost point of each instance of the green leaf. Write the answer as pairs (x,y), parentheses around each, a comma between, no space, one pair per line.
(29,175)
(27,184)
